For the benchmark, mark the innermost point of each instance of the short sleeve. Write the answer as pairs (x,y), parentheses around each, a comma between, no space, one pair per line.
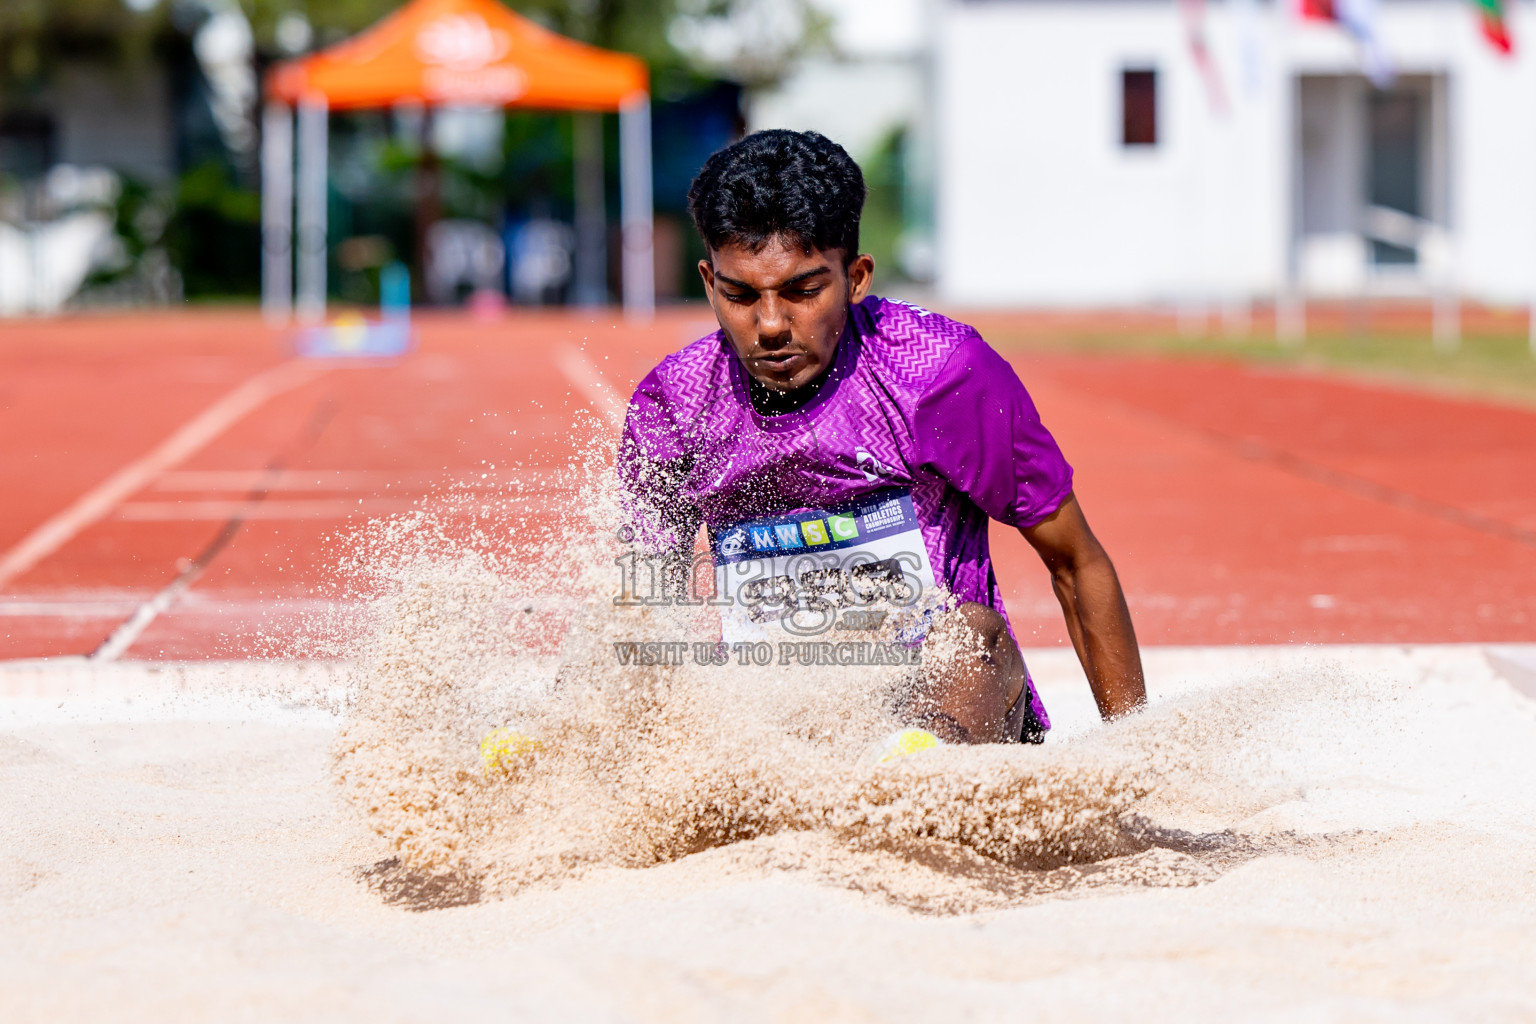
(977,427)
(653,462)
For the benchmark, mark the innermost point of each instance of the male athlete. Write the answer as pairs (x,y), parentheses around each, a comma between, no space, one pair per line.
(823,422)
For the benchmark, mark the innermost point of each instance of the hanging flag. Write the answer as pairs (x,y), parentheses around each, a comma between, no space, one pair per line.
(1495,28)
(1359,19)
(1200,52)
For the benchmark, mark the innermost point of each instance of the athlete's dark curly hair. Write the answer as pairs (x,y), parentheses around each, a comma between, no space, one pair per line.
(799,186)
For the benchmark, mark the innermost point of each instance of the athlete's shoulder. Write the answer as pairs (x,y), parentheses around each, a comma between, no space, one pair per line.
(691,376)
(911,343)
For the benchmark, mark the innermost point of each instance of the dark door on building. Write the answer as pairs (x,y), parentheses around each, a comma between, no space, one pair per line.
(1396,164)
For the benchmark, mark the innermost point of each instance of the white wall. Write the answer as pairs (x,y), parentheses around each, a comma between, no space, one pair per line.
(1493,167)
(1039,204)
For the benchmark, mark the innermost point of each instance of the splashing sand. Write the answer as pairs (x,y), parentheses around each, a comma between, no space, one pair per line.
(646,764)
(769,768)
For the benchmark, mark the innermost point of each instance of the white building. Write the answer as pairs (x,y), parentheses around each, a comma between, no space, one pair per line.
(1084,156)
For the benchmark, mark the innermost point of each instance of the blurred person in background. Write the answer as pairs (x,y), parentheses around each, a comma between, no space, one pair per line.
(820,418)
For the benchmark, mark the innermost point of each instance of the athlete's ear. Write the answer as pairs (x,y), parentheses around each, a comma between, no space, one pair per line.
(861,274)
(707,272)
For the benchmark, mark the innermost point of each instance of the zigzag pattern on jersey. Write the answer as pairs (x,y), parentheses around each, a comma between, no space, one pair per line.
(904,348)
(949,519)
(906,345)
(814,465)
(699,386)
(871,420)
(697,377)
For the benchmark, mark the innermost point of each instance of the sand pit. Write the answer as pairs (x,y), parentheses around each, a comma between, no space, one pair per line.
(1335,833)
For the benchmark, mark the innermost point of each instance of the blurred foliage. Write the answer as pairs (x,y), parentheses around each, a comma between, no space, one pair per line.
(138,218)
(204,225)
(33,32)
(213,235)
(641,27)
(375,168)
(635,26)
(884,219)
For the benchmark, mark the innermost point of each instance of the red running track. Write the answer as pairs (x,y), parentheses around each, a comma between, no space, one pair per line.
(1241,504)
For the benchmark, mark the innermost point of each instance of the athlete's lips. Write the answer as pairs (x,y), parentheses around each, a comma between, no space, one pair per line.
(779,360)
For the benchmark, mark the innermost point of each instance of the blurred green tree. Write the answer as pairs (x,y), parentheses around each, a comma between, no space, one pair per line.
(211,201)
(636,26)
(34,32)
(752,40)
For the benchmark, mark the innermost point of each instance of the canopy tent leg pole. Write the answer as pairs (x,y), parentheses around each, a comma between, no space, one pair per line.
(429,205)
(591,277)
(277,214)
(314,118)
(636,205)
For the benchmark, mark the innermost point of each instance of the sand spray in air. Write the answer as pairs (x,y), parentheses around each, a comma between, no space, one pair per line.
(766,766)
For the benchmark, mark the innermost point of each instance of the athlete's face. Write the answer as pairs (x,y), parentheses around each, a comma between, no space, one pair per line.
(784,309)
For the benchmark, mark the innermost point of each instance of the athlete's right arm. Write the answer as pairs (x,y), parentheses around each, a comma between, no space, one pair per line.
(1093,604)
(1011,467)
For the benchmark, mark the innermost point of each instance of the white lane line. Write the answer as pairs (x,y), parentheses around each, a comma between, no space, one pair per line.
(65,609)
(98,502)
(184,481)
(580,371)
(319,508)
(126,634)
(244,480)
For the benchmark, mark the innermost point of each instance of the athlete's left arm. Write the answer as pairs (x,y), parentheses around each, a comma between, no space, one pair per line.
(1094,605)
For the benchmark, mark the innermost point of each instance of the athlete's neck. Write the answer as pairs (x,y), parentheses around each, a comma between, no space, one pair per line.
(768,402)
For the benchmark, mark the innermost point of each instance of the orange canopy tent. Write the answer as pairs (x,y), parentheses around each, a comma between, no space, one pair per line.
(441,53)
(461,52)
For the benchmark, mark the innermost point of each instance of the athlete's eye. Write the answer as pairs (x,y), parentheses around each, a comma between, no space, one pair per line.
(742,297)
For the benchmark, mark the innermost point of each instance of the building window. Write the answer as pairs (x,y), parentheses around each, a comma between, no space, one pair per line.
(1138,107)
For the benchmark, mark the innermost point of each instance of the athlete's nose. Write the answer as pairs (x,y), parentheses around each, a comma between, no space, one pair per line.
(773,322)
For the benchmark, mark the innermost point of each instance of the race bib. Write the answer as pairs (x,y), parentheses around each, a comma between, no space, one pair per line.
(805,574)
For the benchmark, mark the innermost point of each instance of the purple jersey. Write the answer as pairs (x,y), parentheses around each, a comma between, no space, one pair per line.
(918,416)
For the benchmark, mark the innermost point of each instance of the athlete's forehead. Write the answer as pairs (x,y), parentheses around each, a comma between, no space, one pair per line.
(777,264)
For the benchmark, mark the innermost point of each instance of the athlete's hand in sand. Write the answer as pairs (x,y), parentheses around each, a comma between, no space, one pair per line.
(973,679)
(973,673)
(1094,605)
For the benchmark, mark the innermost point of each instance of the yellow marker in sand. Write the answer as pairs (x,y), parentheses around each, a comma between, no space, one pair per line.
(503,748)
(905,743)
